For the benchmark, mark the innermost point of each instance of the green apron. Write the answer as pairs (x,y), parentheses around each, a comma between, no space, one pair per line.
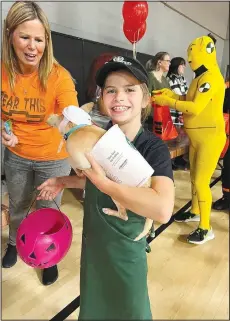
(113,282)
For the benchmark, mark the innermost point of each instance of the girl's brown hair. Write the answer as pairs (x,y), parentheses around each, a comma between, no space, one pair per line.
(146,96)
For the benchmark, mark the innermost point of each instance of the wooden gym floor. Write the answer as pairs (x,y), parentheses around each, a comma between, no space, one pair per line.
(185,281)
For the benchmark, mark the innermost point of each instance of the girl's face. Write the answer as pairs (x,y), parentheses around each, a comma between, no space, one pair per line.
(181,69)
(123,97)
(29,44)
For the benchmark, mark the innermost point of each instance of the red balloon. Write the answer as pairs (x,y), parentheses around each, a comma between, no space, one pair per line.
(134,35)
(135,13)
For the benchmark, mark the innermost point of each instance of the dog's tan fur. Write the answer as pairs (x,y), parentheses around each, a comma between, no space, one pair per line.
(82,141)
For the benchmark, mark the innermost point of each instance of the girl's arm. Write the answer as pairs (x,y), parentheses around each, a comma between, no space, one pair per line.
(53,186)
(156,202)
(73,182)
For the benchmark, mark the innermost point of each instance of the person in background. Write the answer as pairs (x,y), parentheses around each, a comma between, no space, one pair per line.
(157,67)
(98,113)
(34,85)
(179,85)
(224,202)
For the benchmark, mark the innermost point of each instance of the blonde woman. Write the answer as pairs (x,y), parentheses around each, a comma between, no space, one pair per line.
(34,86)
(156,68)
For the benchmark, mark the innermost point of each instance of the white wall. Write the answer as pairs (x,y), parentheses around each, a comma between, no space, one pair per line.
(225,58)
(211,15)
(167,30)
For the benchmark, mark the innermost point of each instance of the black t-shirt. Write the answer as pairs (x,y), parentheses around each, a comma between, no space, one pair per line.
(155,152)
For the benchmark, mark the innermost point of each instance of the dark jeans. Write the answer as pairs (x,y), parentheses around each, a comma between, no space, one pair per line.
(226,174)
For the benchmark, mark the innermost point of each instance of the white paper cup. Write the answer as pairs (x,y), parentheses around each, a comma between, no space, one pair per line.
(120,160)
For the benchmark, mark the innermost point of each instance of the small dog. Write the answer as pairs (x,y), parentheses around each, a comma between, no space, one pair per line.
(81,136)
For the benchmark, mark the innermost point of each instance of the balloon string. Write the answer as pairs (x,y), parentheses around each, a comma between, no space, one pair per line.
(138,32)
(134,47)
(134,56)
(135,44)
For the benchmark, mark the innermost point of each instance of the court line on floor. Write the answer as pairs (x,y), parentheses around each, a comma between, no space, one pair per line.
(75,304)
(70,308)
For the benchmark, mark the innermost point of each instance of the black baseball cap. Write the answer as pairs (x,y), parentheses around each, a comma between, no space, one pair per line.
(122,62)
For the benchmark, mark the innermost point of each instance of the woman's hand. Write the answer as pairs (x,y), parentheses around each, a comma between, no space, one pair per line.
(50,188)
(96,175)
(9,140)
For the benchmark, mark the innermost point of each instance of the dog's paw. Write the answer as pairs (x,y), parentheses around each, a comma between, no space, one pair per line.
(118,214)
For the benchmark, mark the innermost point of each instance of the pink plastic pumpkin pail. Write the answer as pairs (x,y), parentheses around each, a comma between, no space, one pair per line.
(44,238)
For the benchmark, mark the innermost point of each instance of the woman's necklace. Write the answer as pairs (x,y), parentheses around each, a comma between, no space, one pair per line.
(25,91)
(25,83)
(21,84)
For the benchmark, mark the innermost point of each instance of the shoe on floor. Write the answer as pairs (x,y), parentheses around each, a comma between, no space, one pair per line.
(221,204)
(50,275)
(10,257)
(147,248)
(152,232)
(200,236)
(187,217)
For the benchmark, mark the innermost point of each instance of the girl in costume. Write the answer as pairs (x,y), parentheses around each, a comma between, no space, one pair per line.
(113,281)
(202,109)
(34,85)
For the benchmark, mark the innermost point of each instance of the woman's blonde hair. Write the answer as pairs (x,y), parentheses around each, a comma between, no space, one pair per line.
(21,12)
(152,64)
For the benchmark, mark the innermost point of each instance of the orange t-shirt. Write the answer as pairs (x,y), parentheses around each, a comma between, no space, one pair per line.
(28,107)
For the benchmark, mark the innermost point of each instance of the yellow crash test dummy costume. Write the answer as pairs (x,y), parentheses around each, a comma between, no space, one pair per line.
(202,109)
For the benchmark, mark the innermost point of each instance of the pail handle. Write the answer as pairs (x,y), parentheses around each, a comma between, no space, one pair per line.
(52,200)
